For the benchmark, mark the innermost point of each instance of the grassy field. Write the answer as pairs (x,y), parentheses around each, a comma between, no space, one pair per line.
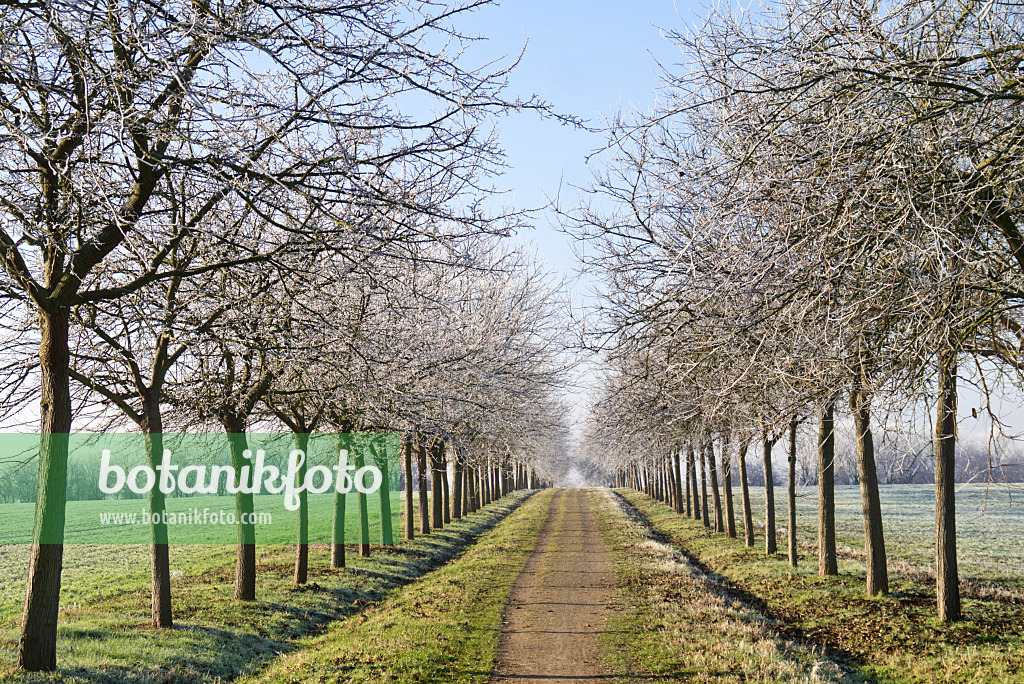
(107,521)
(104,633)
(444,628)
(670,625)
(891,639)
(93,571)
(989,525)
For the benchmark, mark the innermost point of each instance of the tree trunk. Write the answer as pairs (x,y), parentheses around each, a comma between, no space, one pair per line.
(947,583)
(485,481)
(682,464)
(827,563)
(472,478)
(481,485)
(457,496)
(161,614)
(421,463)
(670,481)
(709,459)
(446,506)
(730,511)
(874,539)
(655,471)
(302,540)
(770,543)
(436,488)
(662,475)
(791,496)
(410,523)
(387,534)
(338,524)
(677,480)
(364,519)
(691,470)
(245,557)
(37,647)
(704,486)
(748,515)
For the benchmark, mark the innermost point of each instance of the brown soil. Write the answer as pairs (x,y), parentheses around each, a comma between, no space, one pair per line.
(553,618)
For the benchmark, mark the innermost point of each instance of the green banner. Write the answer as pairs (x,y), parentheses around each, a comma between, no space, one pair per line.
(203,486)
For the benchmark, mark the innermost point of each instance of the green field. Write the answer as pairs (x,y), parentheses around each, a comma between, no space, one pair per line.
(104,633)
(989,524)
(85,520)
(895,638)
(93,571)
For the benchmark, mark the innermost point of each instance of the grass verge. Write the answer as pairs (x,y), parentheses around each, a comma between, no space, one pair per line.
(891,639)
(669,623)
(216,638)
(93,571)
(443,628)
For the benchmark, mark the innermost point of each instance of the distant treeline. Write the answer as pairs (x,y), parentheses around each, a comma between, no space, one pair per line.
(903,463)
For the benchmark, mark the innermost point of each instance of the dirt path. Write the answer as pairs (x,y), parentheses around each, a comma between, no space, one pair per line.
(553,618)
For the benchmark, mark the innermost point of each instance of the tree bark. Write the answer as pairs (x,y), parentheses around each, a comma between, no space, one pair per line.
(670,481)
(245,557)
(791,496)
(716,499)
(704,486)
(748,516)
(827,562)
(730,511)
(387,534)
(338,523)
(770,543)
(947,582)
(485,477)
(364,519)
(421,463)
(677,481)
(161,613)
(445,488)
(662,482)
(691,469)
(410,523)
(302,533)
(436,487)
(37,647)
(685,475)
(472,482)
(874,538)
(457,496)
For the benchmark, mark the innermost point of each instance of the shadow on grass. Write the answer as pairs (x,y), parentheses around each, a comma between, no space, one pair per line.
(721,586)
(216,638)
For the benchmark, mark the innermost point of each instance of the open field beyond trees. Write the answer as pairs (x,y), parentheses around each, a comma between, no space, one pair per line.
(990,521)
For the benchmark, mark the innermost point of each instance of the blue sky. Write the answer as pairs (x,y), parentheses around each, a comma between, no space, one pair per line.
(588,59)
